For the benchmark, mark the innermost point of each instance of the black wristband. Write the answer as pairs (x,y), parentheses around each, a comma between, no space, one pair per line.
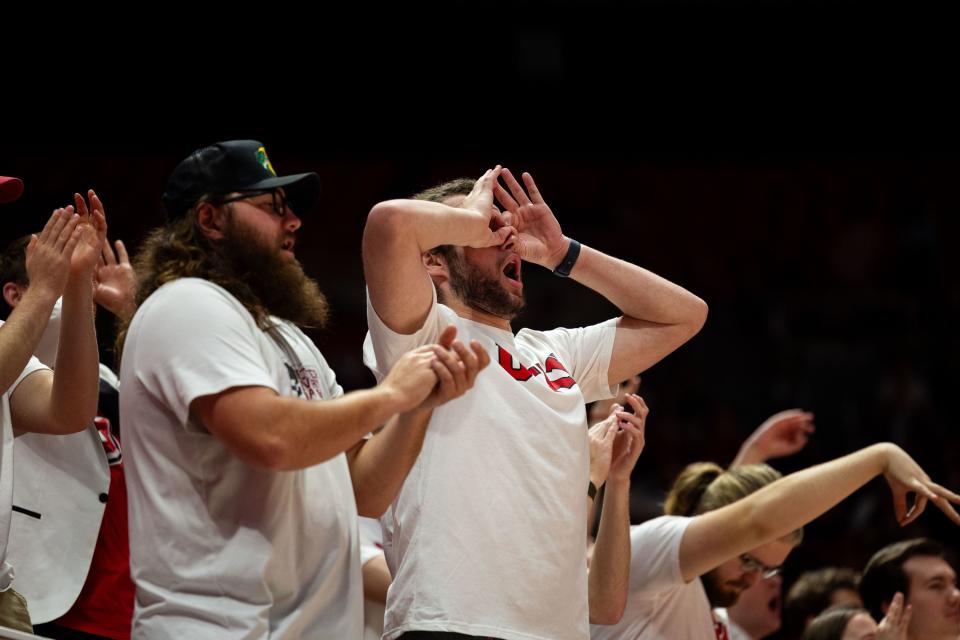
(592,490)
(573,252)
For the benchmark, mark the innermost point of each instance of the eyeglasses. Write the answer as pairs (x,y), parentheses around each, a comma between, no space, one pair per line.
(278,206)
(750,564)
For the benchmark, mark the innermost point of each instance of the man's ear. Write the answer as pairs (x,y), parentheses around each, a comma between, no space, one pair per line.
(12,293)
(435,264)
(211,219)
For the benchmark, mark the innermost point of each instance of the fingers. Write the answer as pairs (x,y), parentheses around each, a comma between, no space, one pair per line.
(454,365)
(107,256)
(122,252)
(483,358)
(95,203)
(81,205)
(504,198)
(52,222)
(532,188)
(60,218)
(445,378)
(73,239)
(919,504)
(68,231)
(519,195)
(484,182)
(447,336)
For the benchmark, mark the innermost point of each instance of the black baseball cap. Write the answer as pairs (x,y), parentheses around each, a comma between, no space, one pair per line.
(234,165)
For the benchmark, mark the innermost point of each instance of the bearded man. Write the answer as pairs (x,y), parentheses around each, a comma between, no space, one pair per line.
(247,464)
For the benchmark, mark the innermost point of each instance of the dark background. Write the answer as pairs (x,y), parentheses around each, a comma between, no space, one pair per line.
(794,165)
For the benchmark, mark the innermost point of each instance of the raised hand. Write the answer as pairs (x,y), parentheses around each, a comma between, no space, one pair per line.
(497,231)
(115,281)
(782,434)
(48,254)
(630,439)
(539,238)
(894,624)
(93,226)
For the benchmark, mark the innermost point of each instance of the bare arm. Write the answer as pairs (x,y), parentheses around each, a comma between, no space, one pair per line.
(48,266)
(658,316)
(376,579)
(303,433)
(66,402)
(399,231)
(609,578)
(793,501)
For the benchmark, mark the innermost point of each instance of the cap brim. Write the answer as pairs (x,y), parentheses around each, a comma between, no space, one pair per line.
(11,189)
(303,189)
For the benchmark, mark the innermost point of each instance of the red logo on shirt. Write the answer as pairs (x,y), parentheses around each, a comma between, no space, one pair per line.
(522,373)
(111,446)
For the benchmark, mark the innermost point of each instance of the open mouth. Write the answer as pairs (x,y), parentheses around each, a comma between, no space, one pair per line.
(287,244)
(511,270)
(774,605)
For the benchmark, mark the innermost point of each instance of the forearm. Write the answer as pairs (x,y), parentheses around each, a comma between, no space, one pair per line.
(303,433)
(21,333)
(76,383)
(426,224)
(609,577)
(638,293)
(748,454)
(382,462)
(793,501)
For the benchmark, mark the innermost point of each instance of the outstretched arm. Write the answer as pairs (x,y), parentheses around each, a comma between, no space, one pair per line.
(791,502)
(658,315)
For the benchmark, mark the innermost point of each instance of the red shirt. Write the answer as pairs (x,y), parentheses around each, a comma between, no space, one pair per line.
(105,604)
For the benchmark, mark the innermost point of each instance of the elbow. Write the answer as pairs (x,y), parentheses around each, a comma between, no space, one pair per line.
(386,223)
(698,316)
(609,613)
(270,454)
(371,501)
(70,422)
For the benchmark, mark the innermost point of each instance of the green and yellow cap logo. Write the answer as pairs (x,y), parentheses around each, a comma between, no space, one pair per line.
(265,161)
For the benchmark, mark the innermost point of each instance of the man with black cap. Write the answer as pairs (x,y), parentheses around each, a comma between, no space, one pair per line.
(59,262)
(243,488)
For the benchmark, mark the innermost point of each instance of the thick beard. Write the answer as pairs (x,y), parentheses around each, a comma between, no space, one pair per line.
(282,287)
(717,594)
(481,292)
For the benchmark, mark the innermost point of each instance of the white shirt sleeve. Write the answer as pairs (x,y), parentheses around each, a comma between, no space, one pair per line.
(202,343)
(587,350)
(655,554)
(383,346)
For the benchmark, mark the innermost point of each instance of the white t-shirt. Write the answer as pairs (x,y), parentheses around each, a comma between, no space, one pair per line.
(6,468)
(371,547)
(660,605)
(220,549)
(487,534)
